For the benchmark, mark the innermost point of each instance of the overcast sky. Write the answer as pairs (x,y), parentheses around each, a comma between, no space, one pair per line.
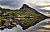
(11,4)
(14,4)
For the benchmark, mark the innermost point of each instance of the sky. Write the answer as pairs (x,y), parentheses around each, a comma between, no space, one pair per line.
(16,4)
(11,4)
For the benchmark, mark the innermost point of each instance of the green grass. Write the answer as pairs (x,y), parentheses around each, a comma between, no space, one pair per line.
(25,22)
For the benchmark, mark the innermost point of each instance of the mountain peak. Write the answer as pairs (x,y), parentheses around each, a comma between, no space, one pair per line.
(25,6)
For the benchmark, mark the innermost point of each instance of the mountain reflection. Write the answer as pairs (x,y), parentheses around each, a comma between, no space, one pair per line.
(43,26)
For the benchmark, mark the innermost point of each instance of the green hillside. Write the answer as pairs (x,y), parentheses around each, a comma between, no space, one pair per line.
(25,17)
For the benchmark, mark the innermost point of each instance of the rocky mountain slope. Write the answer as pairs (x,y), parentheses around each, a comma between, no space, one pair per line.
(25,17)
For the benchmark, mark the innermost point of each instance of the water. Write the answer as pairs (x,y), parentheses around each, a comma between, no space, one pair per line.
(15,29)
(43,25)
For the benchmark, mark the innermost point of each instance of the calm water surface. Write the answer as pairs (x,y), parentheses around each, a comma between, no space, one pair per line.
(41,26)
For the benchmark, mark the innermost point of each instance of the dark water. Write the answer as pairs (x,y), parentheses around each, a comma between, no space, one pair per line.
(41,25)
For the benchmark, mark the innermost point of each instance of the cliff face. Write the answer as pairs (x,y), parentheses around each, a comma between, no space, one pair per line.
(25,17)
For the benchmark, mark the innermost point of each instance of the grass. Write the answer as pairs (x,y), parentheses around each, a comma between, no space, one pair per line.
(25,16)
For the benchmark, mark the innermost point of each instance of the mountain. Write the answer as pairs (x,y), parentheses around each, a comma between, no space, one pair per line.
(25,17)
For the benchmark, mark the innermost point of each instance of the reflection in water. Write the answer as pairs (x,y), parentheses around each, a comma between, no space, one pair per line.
(46,26)
(43,26)
(42,30)
(15,29)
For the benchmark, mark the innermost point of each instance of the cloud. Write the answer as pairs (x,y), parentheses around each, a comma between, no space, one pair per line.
(11,3)
(14,4)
